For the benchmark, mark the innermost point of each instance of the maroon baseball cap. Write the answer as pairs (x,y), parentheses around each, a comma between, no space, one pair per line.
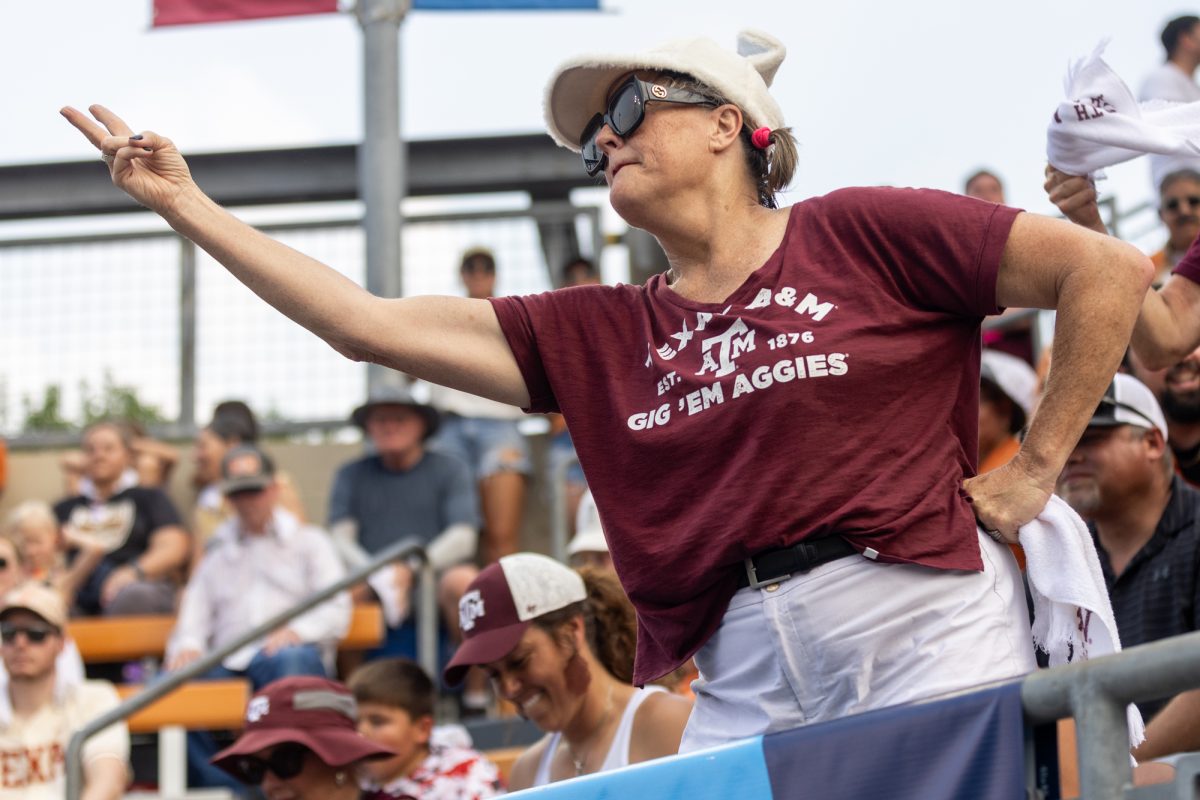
(315,712)
(502,601)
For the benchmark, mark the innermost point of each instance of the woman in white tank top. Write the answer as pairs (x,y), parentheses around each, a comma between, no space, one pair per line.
(559,645)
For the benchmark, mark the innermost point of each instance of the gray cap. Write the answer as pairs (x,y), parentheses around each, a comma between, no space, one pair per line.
(396,396)
(245,468)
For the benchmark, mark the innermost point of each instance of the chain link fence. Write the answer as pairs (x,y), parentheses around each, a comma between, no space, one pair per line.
(150,316)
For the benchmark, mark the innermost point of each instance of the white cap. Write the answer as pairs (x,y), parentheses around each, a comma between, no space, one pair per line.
(589,534)
(1012,376)
(1128,401)
(578,89)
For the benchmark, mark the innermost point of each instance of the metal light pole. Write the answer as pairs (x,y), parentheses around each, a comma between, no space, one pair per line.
(381,156)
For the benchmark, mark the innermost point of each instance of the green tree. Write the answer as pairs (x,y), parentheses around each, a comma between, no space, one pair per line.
(114,401)
(46,416)
(117,401)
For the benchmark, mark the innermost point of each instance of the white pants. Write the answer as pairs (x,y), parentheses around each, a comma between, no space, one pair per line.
(854,635)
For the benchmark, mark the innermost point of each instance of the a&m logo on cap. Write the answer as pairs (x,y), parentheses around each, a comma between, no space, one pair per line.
(245,465)
(258,708)
(470,608)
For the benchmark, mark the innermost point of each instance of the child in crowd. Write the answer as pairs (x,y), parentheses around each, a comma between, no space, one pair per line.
(10,564)
(33,527)
(395,709)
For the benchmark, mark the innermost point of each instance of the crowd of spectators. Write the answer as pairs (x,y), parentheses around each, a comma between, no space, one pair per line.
(451,477)
(451,472)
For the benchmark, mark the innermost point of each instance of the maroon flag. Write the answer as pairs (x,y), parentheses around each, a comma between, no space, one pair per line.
(188,12)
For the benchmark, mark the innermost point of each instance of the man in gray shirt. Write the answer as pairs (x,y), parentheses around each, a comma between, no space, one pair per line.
(405,491)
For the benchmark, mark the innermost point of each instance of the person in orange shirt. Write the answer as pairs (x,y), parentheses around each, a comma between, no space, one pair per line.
(1008,389)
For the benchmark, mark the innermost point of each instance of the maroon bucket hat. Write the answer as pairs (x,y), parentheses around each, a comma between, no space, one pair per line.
(502,601)
(315,712)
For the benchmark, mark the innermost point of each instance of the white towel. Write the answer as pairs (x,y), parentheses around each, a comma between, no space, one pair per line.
(1073,617)
(1100,123)
(393,602)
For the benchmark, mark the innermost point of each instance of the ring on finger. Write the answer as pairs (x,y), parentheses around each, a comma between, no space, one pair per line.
(107,158)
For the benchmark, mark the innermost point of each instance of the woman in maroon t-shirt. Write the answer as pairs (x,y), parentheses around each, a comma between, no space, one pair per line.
(798,388)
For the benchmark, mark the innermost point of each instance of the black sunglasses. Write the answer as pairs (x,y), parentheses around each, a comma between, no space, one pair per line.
(285,762)
(34,634)
(1174,203)
(625,112)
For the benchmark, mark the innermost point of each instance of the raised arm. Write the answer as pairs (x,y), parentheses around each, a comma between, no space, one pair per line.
(1168,327)
(1096,283)
(451,341)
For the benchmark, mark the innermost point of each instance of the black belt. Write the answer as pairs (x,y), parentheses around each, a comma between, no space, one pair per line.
(776,565)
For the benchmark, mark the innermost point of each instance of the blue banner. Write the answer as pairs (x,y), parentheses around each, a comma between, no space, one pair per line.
(506,5)
(732,772)
(969,747)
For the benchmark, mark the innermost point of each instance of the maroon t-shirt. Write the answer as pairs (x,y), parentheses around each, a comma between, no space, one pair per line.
(834,392)
(1189,265)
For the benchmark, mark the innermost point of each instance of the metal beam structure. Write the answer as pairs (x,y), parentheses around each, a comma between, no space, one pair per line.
(519,163)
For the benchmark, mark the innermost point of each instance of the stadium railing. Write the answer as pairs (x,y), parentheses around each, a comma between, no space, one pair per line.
(956,747)
(426,607)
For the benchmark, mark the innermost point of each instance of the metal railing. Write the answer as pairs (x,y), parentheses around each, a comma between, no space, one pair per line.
(408,548)
(1096,693)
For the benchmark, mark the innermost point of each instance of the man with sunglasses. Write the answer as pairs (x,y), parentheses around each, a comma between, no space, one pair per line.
(1145,521)
(38,713)
(260,562)
(1179,210)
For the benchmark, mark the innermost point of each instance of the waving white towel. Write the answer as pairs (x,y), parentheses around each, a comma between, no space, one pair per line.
(1100,123)
(1073,617)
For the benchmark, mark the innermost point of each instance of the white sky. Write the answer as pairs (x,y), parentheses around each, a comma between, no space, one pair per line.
(913,93)
(918,93)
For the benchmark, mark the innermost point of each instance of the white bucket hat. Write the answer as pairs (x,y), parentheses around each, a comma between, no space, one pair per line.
(589,534)
(1012,376)
(579,87)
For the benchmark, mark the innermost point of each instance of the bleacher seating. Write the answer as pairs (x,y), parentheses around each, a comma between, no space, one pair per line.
(104,640)
(202,705)
(197,705)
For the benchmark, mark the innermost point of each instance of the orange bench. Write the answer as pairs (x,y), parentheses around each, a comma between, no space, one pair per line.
(113,639)
(199,705)
(105,640)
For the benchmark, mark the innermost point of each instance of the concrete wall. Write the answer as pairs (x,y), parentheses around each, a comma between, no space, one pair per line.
(35,475)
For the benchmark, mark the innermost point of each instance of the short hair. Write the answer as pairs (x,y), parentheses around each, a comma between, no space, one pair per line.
(1175,29)
(981,173)
(123,431)
(771,169)
(478,256)
(34,511)
(233,420)
(1176,176)
(396,682)
(579,263)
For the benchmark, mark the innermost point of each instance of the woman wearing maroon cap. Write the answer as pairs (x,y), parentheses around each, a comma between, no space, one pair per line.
(559,645)
(300,742)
